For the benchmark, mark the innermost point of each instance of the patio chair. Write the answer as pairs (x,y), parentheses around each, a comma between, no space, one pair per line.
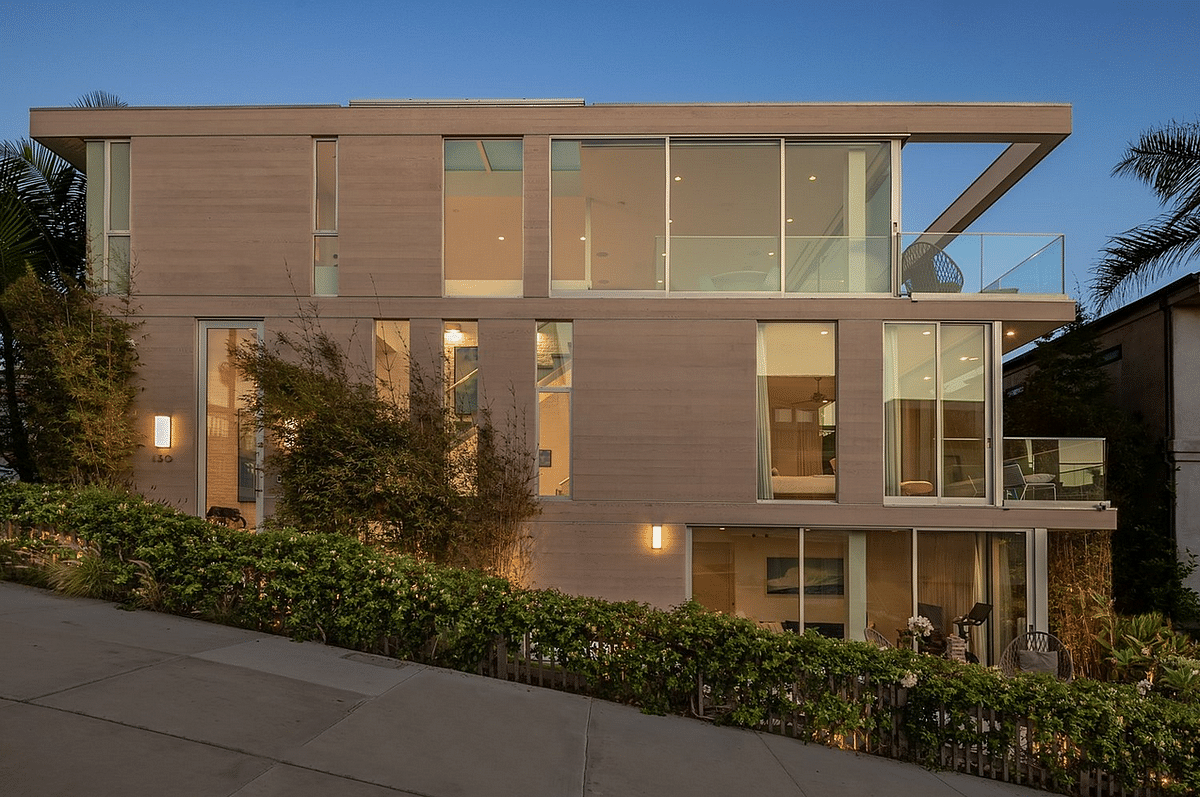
(876,639)
(1018,485)
(1038,652)
(927,269)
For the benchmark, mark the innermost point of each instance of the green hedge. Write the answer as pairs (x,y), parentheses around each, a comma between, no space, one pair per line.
(332,588)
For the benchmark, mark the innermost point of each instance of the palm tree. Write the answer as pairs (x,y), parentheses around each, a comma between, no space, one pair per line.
(43,229)
(1168,159)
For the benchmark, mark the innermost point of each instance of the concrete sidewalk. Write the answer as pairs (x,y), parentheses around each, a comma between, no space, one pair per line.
(99,701)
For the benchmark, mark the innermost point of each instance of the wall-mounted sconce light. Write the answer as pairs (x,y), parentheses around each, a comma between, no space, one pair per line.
(656,537)
(162,431)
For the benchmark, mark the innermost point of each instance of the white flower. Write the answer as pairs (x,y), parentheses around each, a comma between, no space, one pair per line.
(1145,651)
(920,625)
(1144,686)
(909,680)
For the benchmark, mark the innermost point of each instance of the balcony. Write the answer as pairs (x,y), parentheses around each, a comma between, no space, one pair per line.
(960,263)
(1054,469)
(991,263)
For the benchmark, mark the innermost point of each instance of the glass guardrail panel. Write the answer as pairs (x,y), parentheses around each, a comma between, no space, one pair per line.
(838,264)
(1060,469)
(724,263)
(981,263)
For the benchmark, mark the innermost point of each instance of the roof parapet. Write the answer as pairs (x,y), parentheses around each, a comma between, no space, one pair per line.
(553,102)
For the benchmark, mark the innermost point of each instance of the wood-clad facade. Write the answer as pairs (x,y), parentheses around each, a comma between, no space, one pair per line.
(666,403)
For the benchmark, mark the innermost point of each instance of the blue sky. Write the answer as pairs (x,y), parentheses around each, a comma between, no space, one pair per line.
(1124,66)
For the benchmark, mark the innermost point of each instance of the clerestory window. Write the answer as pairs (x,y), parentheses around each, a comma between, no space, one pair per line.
(108,216)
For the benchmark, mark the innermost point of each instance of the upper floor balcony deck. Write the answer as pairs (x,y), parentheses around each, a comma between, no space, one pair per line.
(951,263)
(1054,469)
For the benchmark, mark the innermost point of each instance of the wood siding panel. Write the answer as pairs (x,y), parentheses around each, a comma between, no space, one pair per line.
(390,215)
(537,215)
(664,410)
(860,414)
(222,216)
(167,350)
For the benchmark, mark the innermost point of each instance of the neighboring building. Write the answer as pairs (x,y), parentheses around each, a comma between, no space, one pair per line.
(709,311)
(1150,350)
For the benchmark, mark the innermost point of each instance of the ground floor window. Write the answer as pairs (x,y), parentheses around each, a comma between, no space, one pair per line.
(231,446)
(839,582)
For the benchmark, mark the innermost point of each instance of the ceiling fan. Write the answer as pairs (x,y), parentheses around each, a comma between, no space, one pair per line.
(818,397)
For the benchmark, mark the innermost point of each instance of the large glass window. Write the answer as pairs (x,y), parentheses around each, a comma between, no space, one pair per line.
(483,249)
(554,407)
(325,218)
(231,450)
(608,215)
(936,410)
(834,582)
(838,201)
(724,216)
(956,571)
(745,215)
(797,411)
(108,216)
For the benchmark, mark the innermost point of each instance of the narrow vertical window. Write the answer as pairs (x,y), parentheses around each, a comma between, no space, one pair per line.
(461,353)
(231,448)
(325,215)
(554,407)
(797,411)
(392,361)
(108,216)
(483,249)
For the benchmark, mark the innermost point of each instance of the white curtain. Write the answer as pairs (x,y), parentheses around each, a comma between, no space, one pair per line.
(765,489)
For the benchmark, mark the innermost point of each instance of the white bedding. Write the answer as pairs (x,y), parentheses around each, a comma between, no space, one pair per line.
(823,485)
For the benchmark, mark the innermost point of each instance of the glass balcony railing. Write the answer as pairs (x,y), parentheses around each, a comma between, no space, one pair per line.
(1054,469)
(964,263)
(994,263)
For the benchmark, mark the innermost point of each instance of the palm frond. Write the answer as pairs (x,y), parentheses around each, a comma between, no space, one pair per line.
(1168,160)
(1143,254)
(100,99)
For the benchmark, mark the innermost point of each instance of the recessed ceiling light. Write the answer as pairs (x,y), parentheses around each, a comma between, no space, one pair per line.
(926,332)
(812,178)
(790,221)
(678,178)
(501,238)
(583,237)
(1012,333)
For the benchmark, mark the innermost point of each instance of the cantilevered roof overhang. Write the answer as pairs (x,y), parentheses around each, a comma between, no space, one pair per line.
(1031,130)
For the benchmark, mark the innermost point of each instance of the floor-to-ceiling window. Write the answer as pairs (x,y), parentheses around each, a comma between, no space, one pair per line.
(797,411)
(721,215)
(483,228)
(839,582)
(957,570)
(835,582)
(231,445)
(937,417)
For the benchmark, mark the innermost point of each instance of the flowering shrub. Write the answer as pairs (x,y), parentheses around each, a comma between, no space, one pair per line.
(332,588)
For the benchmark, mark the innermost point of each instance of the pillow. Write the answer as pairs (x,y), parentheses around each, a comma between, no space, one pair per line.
(1038,661)
(1039,478)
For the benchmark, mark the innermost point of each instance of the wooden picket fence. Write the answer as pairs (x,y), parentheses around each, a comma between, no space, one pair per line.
(885,704)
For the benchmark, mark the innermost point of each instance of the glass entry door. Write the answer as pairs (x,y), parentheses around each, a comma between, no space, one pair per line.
(231,445)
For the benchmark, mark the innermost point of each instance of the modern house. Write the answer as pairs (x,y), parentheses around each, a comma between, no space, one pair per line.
(1150,354)
(747,383)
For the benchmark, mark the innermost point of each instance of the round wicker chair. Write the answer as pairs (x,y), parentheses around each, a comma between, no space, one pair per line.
(877,639)
(1038,652)
(925,267)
